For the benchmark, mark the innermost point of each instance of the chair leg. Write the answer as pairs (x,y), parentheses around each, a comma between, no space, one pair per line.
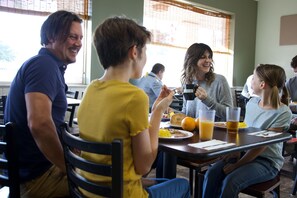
(196,188)
(191,180)
(295,186)
(275,192)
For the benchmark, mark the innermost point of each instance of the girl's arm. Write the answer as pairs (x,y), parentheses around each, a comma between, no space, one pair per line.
(145,144)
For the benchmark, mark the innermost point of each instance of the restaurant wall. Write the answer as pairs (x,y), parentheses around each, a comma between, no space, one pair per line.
(106,8)
(243,28)
(268,49)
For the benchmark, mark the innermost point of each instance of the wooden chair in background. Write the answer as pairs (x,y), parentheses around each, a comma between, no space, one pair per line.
(74,161)
(9,174)
(177,103)
(2,108)
(240,102)
(71,109)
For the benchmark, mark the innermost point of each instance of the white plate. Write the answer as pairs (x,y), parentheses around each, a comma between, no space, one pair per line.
(223,125)
(174,125)
(186,133)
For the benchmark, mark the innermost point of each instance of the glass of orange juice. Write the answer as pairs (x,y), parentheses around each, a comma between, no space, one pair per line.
(232,118)
(206,124)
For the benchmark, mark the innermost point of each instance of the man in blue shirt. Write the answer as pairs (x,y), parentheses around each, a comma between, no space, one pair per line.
(37,103)
(152,83)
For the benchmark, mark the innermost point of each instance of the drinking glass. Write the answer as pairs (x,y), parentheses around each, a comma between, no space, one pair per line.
(232,118)
(206,124)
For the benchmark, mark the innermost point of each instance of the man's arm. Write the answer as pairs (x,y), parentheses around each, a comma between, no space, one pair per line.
(42,127)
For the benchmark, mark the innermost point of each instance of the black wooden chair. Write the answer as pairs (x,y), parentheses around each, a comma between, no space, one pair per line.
(9,174)
(177,103)
(240,101)
(74,161)
(71,109)
(75,119)
(2,108)
(295,183)
(263,188)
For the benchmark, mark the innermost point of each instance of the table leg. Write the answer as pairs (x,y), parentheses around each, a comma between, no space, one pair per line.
(169,165)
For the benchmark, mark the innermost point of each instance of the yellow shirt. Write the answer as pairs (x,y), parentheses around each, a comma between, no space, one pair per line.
(109,110)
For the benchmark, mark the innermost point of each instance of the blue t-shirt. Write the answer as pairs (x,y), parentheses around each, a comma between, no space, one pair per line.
(151,85)
(42,73)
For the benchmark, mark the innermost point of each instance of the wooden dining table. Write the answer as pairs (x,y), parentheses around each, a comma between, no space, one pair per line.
(172,149)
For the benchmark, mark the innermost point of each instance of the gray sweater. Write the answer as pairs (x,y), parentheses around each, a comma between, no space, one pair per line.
(218,98)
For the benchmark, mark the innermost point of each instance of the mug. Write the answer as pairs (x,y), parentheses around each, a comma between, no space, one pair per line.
(189,91)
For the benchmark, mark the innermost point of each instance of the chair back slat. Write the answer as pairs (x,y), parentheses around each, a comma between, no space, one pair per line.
(83,164)
(9,175)
(74,161)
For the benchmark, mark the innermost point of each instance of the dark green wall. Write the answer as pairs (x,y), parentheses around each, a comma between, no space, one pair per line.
(245,20)
(103,9)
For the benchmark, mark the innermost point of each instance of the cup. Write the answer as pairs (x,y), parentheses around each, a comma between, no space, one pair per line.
(189,91)
(206,124)
(232,119)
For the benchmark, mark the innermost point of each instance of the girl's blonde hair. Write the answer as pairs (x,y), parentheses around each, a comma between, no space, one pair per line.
(275,77)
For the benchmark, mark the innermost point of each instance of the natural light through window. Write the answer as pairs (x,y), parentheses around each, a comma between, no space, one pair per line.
(175,26)
(20,39)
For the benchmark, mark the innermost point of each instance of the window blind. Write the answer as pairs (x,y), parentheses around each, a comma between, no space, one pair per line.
(45,7)
(179,24)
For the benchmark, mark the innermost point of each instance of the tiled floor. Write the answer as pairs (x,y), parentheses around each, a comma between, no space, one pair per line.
(286,181)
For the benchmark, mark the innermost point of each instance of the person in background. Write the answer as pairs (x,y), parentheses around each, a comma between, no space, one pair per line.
(228,177)
(213,90)
(246,94)
(37,104)
(125,108)
(291,85)
(152,83)
(247,90)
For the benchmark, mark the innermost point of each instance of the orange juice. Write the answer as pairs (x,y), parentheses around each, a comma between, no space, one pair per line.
(232,126)
(206,130)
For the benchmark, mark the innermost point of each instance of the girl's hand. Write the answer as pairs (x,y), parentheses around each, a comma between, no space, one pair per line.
(228,168)
(164,99)
(294,121)
(232,156)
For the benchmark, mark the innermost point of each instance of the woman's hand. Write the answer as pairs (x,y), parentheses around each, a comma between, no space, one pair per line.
(164,99)
(201,93)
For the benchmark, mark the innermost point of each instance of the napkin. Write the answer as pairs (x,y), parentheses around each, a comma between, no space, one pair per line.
(211,144)
(265,133)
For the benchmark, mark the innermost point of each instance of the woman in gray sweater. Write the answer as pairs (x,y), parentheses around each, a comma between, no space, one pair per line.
(213,90)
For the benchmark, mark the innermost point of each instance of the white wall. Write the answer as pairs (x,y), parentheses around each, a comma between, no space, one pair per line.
(268,49)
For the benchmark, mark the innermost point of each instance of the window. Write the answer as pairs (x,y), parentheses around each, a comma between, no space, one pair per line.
(177,25)
(20,41)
